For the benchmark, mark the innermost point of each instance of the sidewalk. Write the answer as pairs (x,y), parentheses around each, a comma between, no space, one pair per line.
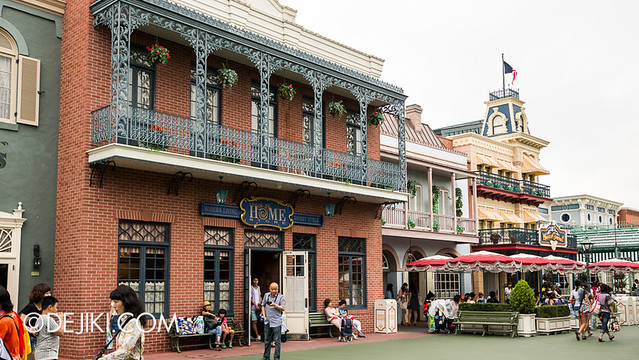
(257,349)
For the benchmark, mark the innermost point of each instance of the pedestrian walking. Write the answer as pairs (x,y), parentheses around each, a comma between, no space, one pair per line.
(49,331)
(129,341)
(30,312)
(12,330)
(403,296)
(604,300)
(273,305)
(581,307)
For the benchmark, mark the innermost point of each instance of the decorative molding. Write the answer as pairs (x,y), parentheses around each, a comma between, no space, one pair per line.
(144,215)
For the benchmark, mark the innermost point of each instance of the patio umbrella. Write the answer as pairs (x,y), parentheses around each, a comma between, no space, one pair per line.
(533,262)
(430,263)
(615,265)
(484,261)
(565,264)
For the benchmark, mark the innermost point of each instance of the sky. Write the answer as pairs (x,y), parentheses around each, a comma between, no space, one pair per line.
(577,64)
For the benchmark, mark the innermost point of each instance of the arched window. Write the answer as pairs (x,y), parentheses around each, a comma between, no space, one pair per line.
(8,74)
(499,126)
(385,264)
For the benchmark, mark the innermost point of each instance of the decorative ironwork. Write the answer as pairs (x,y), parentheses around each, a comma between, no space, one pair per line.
(514,185)
(139,231)
(401,135)
(296,195)
(98,169)
(262,239)
(382,207)
(351,245)
(304,242)
(5,240)
(218,236)
(243,188)
(343,201)
(508,236)
(176,181)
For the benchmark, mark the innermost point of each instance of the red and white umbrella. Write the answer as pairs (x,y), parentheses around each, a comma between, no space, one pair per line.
(533,262)
(430,263)
(565,264)
(484,261)
(615,265)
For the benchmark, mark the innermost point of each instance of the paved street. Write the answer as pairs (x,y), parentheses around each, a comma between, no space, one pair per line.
(416,345)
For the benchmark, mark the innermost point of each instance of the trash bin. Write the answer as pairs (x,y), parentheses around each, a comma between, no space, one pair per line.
(385,316)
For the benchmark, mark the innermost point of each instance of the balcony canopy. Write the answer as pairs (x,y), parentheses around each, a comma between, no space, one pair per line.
(532,166)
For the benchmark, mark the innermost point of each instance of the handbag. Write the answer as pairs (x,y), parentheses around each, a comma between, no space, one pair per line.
(595,308)
(99,355)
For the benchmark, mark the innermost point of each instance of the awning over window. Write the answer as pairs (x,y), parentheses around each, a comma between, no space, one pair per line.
(532,166)
(489,214)
(511,217)
(507,165)
(532,216)
(487,160)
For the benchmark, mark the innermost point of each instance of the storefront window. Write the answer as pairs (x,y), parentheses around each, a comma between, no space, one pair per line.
(218,268)
(143,262)
(352,271)
(306,242)
(446,285)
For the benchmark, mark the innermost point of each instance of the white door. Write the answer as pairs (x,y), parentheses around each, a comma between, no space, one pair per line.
(247,295)
(10,243)
(295,290)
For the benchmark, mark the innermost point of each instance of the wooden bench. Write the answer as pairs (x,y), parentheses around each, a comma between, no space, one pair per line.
(486,318)
(175,336)
(239,331)
(317,320)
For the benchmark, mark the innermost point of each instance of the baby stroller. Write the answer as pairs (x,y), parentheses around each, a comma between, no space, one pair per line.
(441,315)
(346,332)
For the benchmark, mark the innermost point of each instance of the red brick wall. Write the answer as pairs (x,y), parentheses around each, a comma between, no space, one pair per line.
(86,221)
(628,215)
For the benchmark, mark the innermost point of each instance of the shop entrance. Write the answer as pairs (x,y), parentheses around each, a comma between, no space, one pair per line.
(264,265)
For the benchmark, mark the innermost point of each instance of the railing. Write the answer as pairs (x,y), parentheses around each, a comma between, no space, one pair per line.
(466,225)
(394,218)
(445,222)
(405,219)
(167,132)
(514,185)
(508,236)
(503,93)
(420,219)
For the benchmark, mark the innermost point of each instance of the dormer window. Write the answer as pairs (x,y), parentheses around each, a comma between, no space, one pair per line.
(499,126)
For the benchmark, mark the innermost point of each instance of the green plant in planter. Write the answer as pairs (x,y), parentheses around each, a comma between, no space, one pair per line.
(489,183)
(411,187)
(336,109)
(227,77)
(498,185)
(436,192)
(383,222)
(411,224)
(286,92)
(376,118)
(435,226)
(460,229)
(494,237)
(459,203)
(522,298)
(552,311)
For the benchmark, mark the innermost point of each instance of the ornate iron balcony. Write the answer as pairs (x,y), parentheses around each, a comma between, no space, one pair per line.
(514,185)
(515,236)
(503,93)
(166,132)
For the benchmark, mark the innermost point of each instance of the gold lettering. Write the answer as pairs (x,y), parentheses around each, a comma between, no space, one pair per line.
(252,211)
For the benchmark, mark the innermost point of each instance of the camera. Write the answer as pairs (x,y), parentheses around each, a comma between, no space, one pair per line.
(269,302)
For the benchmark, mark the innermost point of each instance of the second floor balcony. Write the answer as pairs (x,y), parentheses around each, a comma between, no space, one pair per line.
(513,190)
(507,236)
(421,221)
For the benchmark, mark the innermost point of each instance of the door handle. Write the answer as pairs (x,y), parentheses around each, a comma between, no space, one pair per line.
(306,303)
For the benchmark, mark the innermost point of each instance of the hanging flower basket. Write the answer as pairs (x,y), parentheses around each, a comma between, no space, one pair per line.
(336,109)
(376,118)
(227,77)
(158,54)
(286,92)
(411,187)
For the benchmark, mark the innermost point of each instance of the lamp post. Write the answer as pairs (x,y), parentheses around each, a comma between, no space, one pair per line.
(586,247)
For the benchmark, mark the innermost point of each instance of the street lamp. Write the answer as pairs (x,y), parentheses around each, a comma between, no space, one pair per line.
(586,247)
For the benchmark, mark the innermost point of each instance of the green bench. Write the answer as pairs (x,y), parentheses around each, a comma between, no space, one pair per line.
(486,318)
(204,339)
(239,331)
(317,320)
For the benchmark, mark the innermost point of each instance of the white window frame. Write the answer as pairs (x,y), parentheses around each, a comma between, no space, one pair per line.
(12,223)
(447,284)
(417,202)
(12,54)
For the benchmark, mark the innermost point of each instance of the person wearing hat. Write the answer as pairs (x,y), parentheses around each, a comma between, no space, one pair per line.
(557,291)
(211,324)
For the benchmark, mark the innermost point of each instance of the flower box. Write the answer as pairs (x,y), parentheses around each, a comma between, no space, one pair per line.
(553,325)
(527,325)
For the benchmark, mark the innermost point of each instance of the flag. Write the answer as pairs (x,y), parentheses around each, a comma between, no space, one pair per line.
(509,69)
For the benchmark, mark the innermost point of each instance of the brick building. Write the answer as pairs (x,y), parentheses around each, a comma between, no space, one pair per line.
(628,215)
(166,177)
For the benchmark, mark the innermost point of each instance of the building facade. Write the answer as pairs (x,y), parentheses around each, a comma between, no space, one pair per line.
(628,215)
(439,218)
(184,181)
(506,158)
(582,211)
(30,40)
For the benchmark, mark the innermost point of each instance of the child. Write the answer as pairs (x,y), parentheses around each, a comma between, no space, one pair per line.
(211,324)
(49,331)
(480,298)
(343,313)
(225,329)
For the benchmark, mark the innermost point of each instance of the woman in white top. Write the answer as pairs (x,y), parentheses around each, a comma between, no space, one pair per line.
(332,315)
(129,343)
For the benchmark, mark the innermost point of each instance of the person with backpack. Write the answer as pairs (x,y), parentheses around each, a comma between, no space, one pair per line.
(581,306)
(12,330)
(343,313)
(605,299)
(273,305)
(212,324)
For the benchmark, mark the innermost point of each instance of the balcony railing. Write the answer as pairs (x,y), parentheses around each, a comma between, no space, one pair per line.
(167,132)
(405,219)
(503,93)
(516,236)
(514,185)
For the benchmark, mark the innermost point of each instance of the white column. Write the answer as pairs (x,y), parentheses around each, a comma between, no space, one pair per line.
(453,197)
(430,196)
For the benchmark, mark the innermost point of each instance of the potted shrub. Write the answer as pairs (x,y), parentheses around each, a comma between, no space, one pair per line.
(411,187)
(226,77)
(376,118)
(553,319)
(494,237)
(336,109)
(410,224)
(286,92)
(460,229)
(522,300)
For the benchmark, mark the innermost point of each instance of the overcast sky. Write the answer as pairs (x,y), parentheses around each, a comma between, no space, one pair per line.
(577,64)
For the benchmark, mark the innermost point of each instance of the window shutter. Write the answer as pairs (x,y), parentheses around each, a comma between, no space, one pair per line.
(28,88)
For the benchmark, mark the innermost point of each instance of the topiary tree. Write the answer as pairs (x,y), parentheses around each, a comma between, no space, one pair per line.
(522,298)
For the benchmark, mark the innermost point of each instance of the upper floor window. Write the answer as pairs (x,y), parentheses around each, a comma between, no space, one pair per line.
(213,97)
(255,110)
(417,202)
(498,125)
(141,79)
(353,133)
(19,84)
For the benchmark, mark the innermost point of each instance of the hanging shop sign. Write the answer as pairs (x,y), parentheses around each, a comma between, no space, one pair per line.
(260,211)
(234,212)
(551,235)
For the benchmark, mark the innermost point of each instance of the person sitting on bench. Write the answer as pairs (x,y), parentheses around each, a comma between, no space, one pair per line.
(332,315)
(343,313)
(225,329)
(211,324)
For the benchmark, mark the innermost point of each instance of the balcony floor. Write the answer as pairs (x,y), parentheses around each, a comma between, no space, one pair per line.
(126,156)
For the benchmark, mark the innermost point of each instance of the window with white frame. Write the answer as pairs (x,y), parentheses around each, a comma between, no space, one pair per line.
(417,202)
(213,96)
(447,285)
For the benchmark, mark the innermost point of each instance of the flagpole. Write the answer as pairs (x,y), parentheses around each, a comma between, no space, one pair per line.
(503,74)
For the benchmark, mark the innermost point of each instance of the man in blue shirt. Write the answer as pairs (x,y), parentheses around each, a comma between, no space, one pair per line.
(273,305)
